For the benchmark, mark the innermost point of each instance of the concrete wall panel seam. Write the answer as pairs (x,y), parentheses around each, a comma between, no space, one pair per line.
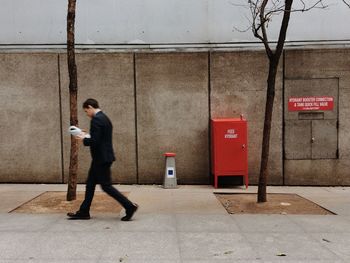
(60,109)
(135,109)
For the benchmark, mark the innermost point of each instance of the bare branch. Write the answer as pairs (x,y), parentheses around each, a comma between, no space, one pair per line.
(347,3)
(319,4)
(240,5)
(263,11)
(246,29)
(283,30)
(260,22)
(242,30)
(263,20)
(275,10)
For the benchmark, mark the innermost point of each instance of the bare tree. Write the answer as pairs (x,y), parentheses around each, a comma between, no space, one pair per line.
(73,96)
(262,12)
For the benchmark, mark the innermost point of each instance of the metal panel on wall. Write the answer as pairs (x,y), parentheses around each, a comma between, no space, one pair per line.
(311,117)
(159,22)
(297,140)
(324,139)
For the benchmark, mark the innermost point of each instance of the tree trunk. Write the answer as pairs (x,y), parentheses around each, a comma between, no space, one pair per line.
(270,96)
(73,96)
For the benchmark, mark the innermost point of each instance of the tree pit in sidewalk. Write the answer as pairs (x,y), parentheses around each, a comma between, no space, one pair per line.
(285,204)
(55,202)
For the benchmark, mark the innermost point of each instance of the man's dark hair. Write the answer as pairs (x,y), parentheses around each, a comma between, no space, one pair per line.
(91,102)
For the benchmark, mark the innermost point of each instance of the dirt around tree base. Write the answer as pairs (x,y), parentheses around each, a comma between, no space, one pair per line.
(55,202)
(276,204)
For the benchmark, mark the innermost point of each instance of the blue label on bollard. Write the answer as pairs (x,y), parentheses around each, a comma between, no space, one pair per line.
(170,172)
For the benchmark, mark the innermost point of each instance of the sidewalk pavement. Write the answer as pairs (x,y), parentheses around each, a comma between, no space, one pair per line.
(186,225)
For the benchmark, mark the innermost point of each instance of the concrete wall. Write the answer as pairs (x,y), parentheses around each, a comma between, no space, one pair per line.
(30,128)
(238,86)
(160,102)
(110,79)
(172,115)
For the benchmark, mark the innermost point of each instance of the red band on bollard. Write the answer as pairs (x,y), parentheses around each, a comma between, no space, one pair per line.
(170,154)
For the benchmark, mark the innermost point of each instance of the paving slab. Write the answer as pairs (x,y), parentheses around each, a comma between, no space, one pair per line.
(22,223)
(96,224)
(337,206)
(173,202)
(138,246)
(302,261)
(148,222)
(266,223)
(338,243)
(66,246)
(321,224)
(208,223)
(181,225)
(223,261)
(14,244)
(12,199)
(215,246)
(294,245)
(127,260)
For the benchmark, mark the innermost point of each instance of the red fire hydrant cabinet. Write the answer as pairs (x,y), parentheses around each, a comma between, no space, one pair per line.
(229,148)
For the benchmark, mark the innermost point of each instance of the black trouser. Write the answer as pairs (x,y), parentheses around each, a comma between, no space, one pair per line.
(101,174)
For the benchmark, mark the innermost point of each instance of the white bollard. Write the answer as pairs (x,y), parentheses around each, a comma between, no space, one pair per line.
(170,180)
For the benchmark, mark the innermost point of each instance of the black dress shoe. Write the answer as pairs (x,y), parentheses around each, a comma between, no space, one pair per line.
(79,215)
(129,213)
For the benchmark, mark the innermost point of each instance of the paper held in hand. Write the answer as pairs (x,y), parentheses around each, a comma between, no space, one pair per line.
(75,131)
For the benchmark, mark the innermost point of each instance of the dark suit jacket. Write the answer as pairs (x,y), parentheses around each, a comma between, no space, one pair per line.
(100,143)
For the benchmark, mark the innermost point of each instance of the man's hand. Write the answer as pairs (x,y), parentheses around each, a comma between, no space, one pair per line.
(81,136)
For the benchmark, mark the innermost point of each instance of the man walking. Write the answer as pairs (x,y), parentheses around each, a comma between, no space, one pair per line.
(101,148)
